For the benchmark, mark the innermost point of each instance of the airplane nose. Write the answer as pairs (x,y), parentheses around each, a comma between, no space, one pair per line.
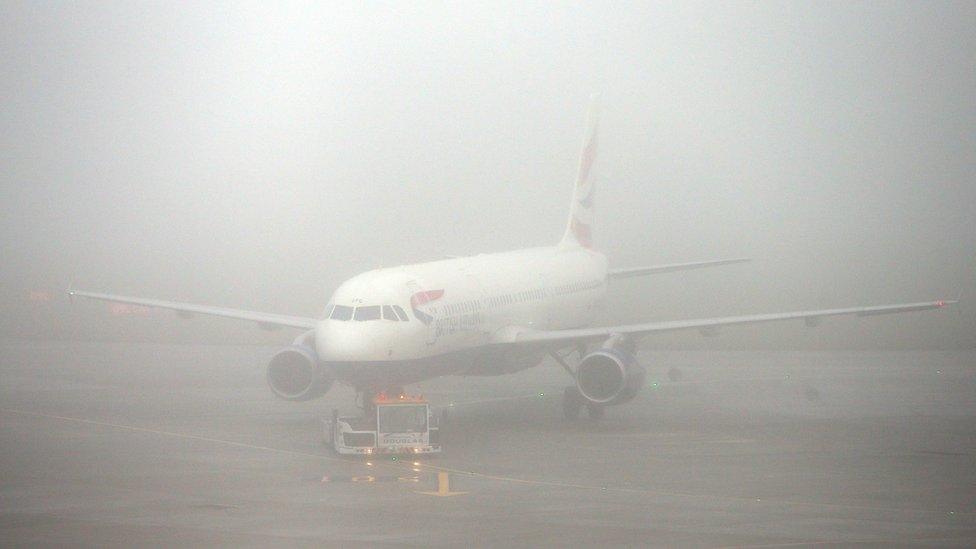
(340,341)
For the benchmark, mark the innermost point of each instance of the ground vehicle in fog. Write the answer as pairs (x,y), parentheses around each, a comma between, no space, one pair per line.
(398,425)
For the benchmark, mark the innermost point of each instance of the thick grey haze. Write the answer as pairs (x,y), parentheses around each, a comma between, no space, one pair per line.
(256,155)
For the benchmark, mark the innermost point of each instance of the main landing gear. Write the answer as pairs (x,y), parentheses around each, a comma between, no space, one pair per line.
(574,402)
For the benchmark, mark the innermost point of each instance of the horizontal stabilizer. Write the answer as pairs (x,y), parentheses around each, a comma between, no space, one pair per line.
(614,274)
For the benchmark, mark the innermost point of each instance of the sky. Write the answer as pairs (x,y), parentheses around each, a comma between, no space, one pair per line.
(255,155)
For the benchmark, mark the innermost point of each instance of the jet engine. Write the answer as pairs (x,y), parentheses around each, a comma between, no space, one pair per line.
(295,373)
(609,376)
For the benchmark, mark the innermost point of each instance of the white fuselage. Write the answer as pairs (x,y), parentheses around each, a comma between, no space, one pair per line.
(460,304)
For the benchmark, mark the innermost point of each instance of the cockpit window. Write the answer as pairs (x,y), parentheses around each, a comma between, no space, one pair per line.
(370,312)
(328,310)
(341,312)
(367,312)
(400,313)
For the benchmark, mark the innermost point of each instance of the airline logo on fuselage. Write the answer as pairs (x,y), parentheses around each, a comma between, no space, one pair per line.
(419,299)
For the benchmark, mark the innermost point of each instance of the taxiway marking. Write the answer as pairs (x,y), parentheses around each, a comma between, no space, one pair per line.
(475,474)
(169,434)
(443,486)
(370,478)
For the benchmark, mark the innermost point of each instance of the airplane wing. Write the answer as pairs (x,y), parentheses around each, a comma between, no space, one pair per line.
(614,274)
(265,320)
(708,326)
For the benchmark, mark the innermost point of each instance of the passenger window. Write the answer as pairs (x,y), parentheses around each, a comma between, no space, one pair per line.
(341,312)
(400,313)
(388,313)
(371,312)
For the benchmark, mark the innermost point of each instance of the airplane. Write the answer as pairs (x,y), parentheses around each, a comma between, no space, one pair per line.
(488,314)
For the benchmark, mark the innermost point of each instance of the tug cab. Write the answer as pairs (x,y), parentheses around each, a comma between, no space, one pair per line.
(390,425)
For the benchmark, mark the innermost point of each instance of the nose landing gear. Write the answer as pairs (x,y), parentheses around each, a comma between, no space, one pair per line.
(366,396)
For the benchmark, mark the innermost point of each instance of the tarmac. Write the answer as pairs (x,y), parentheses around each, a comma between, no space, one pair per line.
(113,444)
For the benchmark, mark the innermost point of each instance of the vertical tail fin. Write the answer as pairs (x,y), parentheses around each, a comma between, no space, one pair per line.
(579,230)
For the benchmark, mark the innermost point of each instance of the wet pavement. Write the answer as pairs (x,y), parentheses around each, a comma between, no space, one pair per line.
(123,444)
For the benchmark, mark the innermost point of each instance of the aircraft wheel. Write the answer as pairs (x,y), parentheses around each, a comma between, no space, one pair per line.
(572,403)
(595,411)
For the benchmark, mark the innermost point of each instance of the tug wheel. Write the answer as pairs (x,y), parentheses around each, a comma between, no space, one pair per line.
(329,436)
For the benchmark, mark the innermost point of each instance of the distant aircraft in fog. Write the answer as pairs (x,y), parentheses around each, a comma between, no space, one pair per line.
(488,314)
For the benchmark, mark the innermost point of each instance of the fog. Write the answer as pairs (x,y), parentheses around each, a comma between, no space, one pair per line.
(255,156)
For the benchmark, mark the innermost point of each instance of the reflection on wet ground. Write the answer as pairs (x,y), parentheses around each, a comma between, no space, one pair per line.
(115,444)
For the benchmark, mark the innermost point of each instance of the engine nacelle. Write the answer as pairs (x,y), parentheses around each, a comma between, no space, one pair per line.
(609,376)
(295,373)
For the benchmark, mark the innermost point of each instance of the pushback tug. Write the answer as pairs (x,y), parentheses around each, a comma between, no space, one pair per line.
(390,425)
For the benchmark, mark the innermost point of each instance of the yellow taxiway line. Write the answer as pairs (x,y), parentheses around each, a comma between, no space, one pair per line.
(475,474)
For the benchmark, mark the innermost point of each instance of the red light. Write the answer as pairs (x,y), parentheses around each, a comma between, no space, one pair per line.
(39,295)
(940,303)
